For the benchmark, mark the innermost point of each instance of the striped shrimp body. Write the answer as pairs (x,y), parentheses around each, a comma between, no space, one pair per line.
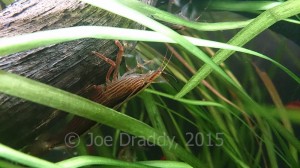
(120,89)
(116,92)
(111,94)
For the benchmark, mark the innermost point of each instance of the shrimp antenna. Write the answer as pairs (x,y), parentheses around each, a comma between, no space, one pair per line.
(164,65)
(167,61)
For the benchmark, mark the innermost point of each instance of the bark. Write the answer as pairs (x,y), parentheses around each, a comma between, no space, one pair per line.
(69,66)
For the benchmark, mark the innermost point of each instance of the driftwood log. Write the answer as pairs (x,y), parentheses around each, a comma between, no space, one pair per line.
(69,66)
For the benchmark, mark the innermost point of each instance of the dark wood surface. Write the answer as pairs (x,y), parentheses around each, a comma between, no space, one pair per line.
(69,66)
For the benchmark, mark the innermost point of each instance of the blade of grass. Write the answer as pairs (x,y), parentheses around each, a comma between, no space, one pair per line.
(232,149)
(186,101)
(253,7)
(243,6)
(288,157)
(81,161)
(275,97)
(10,45)
(155,118)
(268,139)
(166,164)
(277,101)
(14,155)
(274,124)
(177,126)
(34,91)
(96,160)
(286,134)
(155,13)
(262,22)
(8,164)
(24,42)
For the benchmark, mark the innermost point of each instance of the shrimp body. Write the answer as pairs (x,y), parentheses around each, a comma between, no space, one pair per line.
(111,94)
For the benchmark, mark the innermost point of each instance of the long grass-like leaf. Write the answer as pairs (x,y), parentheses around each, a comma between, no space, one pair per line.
(192,102)
(243,6)
(24,42)
(14,155)
(95,160)
(34,91)
(81,161)
(170,18)
(262,22)
(155,118)
(10,45)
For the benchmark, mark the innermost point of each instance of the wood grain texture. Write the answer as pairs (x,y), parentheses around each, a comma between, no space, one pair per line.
(69,66)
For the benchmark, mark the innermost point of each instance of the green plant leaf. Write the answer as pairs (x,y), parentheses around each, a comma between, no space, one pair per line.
(37,92)
(262,22)
(155,13)
(14,155)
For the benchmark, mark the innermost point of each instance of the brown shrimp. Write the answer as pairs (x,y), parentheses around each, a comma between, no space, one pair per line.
(112,94)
